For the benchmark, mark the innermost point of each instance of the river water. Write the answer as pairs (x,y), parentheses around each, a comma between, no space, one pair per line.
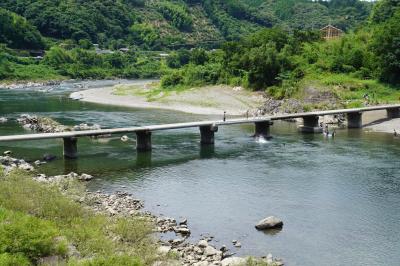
(339,199)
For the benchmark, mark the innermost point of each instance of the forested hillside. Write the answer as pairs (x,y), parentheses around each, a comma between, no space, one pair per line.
(295,64)
(169,24)
(67,31)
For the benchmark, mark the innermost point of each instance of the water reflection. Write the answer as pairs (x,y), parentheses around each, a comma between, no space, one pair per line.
(143,159)
(207,151)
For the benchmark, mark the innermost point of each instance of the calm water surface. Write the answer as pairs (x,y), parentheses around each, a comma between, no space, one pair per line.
(339,199)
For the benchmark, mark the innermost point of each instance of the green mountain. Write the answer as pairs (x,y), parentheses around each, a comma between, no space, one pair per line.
(160,24)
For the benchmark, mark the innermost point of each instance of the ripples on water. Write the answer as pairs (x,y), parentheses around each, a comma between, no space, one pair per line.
(339,198)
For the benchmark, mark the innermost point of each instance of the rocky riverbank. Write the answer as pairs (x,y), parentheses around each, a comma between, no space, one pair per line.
(124,204)
(28,84)
(49,125)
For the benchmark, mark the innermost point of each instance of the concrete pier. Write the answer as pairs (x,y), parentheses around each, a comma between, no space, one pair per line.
(263,129)
(70,148)
(310,125)
(207,134)
(393,113)
(143,141)
(354,120)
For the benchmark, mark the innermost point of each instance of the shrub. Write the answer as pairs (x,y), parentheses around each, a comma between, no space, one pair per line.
(27,235)
(170,80)
(7,259)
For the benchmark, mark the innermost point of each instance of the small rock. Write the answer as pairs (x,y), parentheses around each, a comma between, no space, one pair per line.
(223,248)
(163,250)
(182,230)
(269,259)
(269,223)
(38,162)
(234,241)
(238,245)
(183,222)
(233,261)
(202,243)
(7,153)
(210,251)
(26,167)
(85,177)
(124,138)
(178,241)
(3,120)
(198,250)
(49,157)
(73,252)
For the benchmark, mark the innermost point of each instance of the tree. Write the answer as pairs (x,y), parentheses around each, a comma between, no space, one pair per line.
(199,56)
(57,57)
(17,32)
(386,43)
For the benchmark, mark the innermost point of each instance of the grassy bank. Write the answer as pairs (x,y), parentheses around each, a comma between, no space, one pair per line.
(342,90)
(37,222)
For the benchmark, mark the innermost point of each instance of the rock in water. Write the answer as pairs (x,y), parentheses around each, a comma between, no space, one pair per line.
(269,223)
(49,157)
(3,120)
(210,251)
(85,177)
(203,243)
(7,153)
(124,138)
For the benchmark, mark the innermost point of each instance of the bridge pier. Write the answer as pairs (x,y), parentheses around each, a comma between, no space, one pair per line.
(310,125)
(207,134)
(354,120)
(393,112)
(263,129)
(70,148)
(143,141)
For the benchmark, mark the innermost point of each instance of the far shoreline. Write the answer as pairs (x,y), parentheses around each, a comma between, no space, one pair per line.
(235,102)
(374,121)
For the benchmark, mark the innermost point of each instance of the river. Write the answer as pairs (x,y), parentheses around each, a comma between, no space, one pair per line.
(339,199)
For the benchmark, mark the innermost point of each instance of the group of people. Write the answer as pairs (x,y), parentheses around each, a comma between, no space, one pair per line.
(326,131)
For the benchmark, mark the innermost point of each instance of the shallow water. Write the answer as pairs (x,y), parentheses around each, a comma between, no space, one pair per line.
(339,199)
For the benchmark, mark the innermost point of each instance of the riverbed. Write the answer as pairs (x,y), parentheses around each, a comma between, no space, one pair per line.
(339,199)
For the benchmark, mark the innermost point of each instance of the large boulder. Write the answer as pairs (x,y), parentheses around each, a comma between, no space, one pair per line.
(269,223)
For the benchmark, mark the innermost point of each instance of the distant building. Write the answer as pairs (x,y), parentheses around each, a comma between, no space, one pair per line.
(330,32)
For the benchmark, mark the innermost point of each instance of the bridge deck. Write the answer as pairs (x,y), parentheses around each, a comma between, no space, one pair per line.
(75,134)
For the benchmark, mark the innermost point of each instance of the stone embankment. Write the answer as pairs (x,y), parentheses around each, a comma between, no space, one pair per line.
(124,204)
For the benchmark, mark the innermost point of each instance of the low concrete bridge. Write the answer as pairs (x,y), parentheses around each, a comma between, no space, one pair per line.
(207,128)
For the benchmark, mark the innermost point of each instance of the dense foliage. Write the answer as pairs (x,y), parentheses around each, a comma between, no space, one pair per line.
(279,61)
(18,33)
(165,23)
(77,62)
